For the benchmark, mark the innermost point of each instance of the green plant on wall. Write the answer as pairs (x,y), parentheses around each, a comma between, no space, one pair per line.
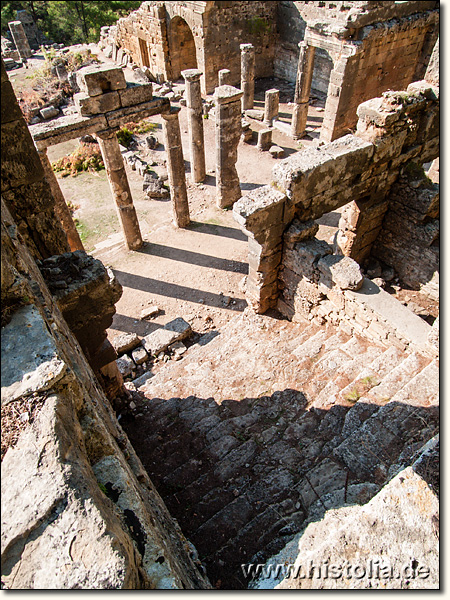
(257,26)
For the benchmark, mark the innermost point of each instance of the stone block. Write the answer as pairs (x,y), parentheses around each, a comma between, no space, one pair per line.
(136,94)
(159,340)
(303,257)
(30,363)
(125,342)
(95,105)
(276,152)
(125,365)
(259,209)
(264,139)
(49,113)
(299,231)
(139,355)
(99,80)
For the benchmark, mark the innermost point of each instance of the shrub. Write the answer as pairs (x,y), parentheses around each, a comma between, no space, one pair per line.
(87,157)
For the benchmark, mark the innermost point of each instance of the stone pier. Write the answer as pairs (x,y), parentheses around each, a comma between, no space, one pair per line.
(20,39)
(195,124)
(228,133)
(302,89)
(247,75)
(175,167)
(271,106)
(117,177)
(61,209)
(224,77)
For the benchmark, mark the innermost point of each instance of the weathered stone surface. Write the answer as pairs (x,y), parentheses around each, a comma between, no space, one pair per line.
(125,342)
(31,362)
(149,312)
(96,80)
(95,105)
(161,339)
(264,139)
(155,188)
(139,355)
(342,270)
(125,365)
(49,113)
(405,509)
(82,486)
(260,209)
(276,152)
(135,94)
(299,231)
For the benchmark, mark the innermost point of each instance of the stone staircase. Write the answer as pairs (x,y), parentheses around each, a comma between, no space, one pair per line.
(269,424)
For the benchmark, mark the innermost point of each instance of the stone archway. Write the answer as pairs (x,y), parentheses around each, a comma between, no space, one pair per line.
(181,47)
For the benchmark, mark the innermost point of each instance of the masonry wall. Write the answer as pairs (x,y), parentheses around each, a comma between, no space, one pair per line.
(390,56)
(218,29)
(25,189)
(358,170)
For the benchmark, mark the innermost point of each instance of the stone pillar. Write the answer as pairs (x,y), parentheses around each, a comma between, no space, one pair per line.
(228,133)
(195,123)
(175,167)
(61,209)
(263,216)
(247,75)
(115,169)
(302,89)
(224,77)
(20,39)
(271,106)
(264,139)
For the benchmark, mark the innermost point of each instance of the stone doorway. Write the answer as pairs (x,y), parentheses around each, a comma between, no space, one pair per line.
(182,47)
(143,51)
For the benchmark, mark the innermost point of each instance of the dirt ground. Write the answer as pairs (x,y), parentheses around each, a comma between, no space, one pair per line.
(194,273)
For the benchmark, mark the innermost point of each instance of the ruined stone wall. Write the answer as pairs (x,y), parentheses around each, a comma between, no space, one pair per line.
(389,55)
(392,131)
(25,189)
(218,29)
(291,26)
(78,509)
(409,238)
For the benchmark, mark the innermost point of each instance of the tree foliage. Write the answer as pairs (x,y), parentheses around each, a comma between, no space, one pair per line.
(68,22)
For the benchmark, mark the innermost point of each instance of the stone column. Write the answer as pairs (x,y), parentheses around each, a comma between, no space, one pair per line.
(228,133)
(271,106)
(61,209)
(195,123)
(302,89)
(20,39)
(247,75)
(175,167)
(115,169)
(224,77)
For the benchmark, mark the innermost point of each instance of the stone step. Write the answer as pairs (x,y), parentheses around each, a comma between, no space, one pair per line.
(343,375)
(396,379)
(372,375)
(370,450)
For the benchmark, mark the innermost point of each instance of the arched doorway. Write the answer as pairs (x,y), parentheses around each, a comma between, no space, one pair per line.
(181,47)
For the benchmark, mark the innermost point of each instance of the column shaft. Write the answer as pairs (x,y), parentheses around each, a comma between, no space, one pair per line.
(175,170)
(120,188)
(228,134)
(302,89)
(247,75)
(61,209)
(224,77)
(195,124)
(271,106)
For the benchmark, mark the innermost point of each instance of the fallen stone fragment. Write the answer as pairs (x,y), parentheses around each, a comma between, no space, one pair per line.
(49,113)
(139,355)
(178,349)
(342,270)
(125,342)
(276,152)
(149,312)
(156,189)
(253,113)
(125,365)
(158,341)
